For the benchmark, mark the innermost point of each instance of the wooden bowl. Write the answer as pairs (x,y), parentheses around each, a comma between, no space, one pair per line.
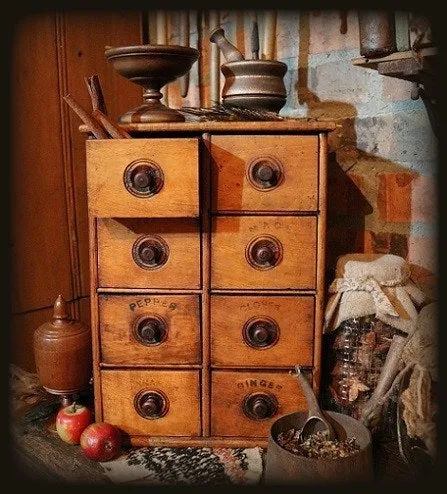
(284,467)
(152,67)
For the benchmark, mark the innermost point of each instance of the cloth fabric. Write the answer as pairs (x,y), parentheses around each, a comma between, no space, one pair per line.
(186,466)
(419,399)
(377,285)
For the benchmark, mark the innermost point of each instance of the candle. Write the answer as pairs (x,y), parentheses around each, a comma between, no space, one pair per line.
(184,41)
(161,37)
(214,61)
(269,34)
(160,17)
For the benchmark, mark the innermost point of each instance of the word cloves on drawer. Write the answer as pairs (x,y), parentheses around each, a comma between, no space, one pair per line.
(262,330)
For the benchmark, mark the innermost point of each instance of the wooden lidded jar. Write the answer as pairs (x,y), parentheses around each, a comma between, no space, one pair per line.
(63,352)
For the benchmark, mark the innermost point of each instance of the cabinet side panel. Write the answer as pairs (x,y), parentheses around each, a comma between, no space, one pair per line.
(321,258)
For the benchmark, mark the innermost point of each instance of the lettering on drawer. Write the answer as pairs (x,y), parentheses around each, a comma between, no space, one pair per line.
(268,253)
(262,330)
(263,225)
(147,330)
(250,401)
(250,304)
(152,402)
(152,301)
(258,383)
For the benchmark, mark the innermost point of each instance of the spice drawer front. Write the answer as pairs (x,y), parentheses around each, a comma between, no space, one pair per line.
(143,177)
(277,252)
(143,253)
(264,173)
(152,402)
(247,403)
(149,329)
(262,330)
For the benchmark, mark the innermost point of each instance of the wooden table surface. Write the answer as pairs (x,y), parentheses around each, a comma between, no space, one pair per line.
(38,455)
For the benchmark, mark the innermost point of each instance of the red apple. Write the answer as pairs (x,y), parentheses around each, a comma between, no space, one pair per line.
(101,441)
(71,421)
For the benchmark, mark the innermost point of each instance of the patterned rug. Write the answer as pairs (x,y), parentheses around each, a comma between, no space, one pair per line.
(187,466)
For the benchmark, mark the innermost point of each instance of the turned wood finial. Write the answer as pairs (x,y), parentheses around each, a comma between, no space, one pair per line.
(60,310)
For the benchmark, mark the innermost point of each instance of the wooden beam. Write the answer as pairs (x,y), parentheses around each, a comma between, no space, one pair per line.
(401,55)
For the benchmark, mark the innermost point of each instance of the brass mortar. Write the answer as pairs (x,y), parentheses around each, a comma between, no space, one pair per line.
(255,84)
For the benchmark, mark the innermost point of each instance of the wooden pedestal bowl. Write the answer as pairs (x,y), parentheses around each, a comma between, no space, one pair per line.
(152,67)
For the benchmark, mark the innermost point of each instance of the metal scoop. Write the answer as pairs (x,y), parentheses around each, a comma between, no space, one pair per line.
(316,421)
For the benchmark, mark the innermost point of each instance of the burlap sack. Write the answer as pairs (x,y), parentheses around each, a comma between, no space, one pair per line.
(373,284)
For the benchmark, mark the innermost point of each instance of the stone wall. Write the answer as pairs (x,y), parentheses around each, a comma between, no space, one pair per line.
(383,156)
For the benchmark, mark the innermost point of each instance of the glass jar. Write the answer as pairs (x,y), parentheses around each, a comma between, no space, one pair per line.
(354,356)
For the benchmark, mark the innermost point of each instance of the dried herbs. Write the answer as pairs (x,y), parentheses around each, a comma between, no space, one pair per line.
(316,445)
(357,351)
(224,112)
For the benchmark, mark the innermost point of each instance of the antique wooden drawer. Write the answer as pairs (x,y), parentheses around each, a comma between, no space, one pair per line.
(276,252)
(149,329)
(264,173)
(148,253)
(143,177)
(152,402)
(249,402)
(262,330)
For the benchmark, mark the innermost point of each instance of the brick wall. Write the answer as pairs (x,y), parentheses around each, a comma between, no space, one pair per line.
(383,155)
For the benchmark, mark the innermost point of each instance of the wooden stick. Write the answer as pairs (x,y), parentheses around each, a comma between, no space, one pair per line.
(269,34)
(161,38)
(160,17)
(96,95)
(371,410)
(114,131)
(214,61)
(321,259)
(184,41)
(94,127)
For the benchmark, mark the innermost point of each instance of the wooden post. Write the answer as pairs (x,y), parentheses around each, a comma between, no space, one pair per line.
(184,41)
(160,17)
(161,38)
(269,35)
(214,61)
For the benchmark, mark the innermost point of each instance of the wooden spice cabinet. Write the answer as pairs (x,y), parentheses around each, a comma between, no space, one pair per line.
(207,250)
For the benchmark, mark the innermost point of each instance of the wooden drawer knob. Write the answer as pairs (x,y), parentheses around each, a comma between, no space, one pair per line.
(151,404)
(151,330)
(143,178)
(260,406)
(265,173)
(261,332)
(264,252)
(150,252)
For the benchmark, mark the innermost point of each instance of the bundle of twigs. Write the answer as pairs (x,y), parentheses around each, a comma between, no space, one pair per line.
(221,111)
(97,121)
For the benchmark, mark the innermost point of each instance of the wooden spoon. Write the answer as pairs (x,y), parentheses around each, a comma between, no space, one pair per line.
(316,421)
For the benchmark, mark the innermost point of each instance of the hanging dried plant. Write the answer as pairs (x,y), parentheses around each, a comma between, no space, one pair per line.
(229,112)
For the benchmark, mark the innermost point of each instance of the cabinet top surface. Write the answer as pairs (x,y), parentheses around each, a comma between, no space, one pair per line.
(287,125)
